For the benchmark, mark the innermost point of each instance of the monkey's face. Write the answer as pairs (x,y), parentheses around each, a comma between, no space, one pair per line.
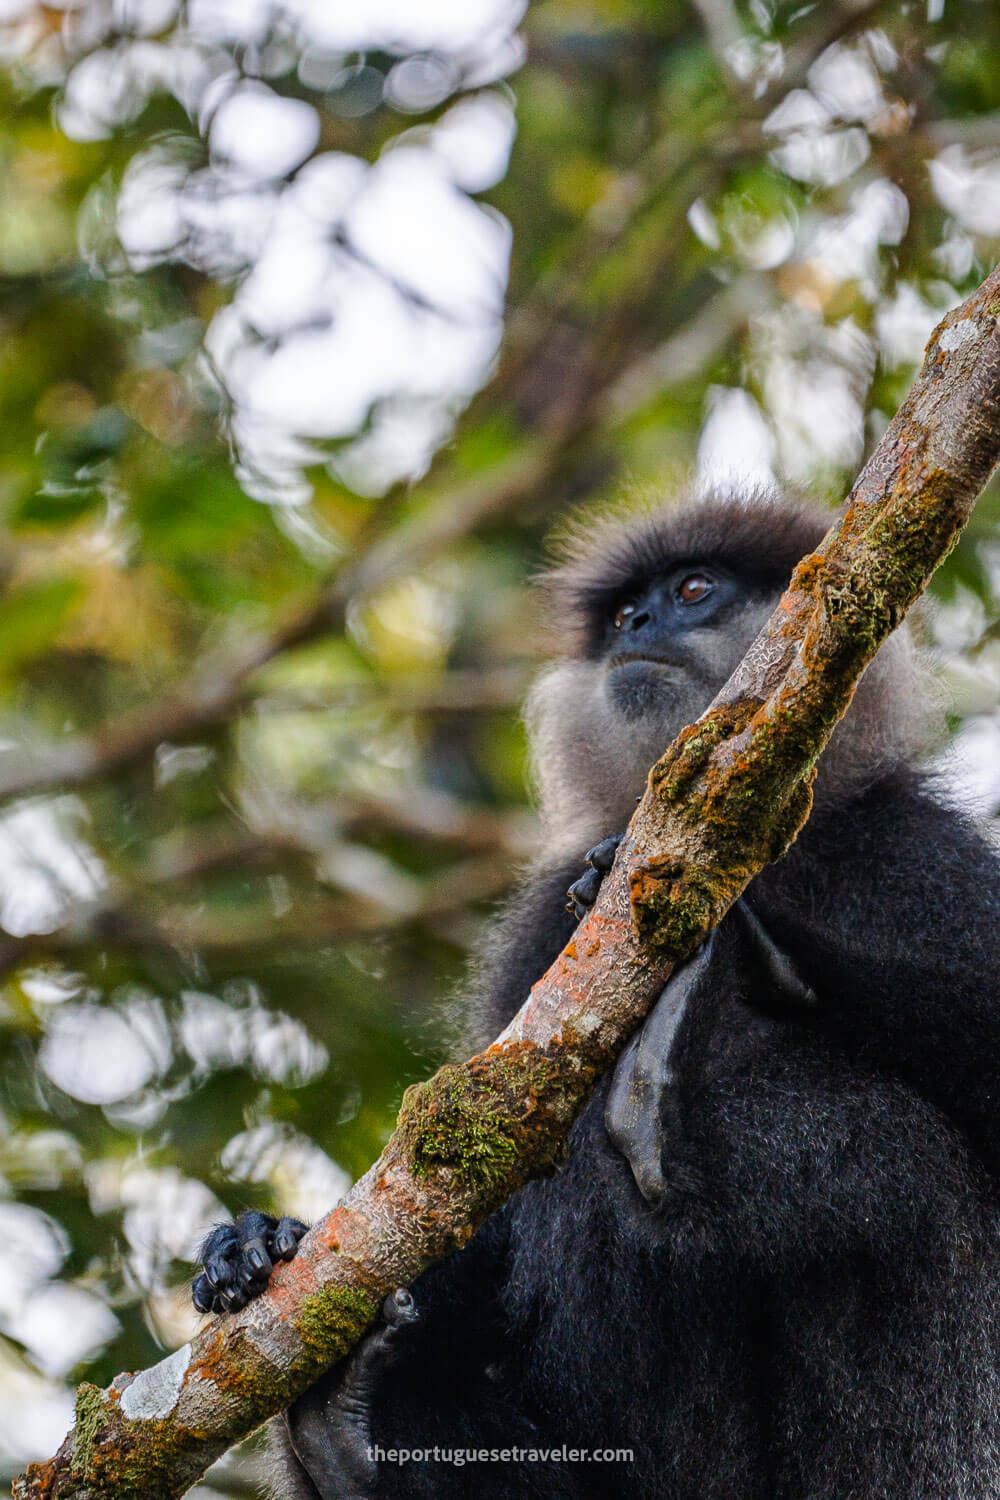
(657,654)
(650,616)
(672,641)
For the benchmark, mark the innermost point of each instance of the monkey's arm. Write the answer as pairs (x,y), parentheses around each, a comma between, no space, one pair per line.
(429,1375)
(441,1383)
(781,970)
(328,1431)
(888,910)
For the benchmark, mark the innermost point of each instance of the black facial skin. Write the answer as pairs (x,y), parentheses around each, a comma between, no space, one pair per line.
(651,623)
(778,1277)
(671,630)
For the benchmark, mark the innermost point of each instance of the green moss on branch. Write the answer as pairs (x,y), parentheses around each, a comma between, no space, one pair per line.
(496,1121)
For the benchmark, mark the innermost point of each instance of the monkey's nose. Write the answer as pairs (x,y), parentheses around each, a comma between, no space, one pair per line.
(639,619)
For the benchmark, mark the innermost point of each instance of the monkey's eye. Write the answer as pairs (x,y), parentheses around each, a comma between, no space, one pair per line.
(694,588)
(624,612)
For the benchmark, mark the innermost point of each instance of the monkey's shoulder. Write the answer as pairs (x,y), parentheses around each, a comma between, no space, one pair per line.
(898,870)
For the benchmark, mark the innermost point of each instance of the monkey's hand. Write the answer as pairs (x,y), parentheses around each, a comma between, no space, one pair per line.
(642,1112)
(642,1105)
(237,1260)
(583,892)
(330,1426)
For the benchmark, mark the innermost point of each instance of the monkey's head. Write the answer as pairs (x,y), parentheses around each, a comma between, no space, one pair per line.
(649,615)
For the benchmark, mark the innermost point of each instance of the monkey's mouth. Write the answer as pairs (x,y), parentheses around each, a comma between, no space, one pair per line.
(640,684)
(640,658)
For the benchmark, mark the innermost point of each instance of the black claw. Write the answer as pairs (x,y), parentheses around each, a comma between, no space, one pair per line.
(257,1259)
(202,1295)
(218,1272)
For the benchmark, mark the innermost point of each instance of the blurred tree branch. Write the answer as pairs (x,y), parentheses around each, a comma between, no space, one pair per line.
(255,927)
(608,355)
(215,690)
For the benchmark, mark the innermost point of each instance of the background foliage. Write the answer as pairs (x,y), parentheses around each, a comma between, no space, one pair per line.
(278,452)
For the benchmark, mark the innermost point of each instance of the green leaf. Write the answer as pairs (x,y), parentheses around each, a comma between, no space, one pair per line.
(31,618)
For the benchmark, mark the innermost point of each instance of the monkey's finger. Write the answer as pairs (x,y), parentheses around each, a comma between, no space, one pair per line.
(257,1261)
(377,1350)
(287,1233)
(219,1271)
(654,1055)
(399,1310)
(630,1105)
(780,968)
(584,891)
(602,856)
(234,1299)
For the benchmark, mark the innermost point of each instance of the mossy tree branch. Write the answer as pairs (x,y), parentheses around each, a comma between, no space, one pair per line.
(728,796)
